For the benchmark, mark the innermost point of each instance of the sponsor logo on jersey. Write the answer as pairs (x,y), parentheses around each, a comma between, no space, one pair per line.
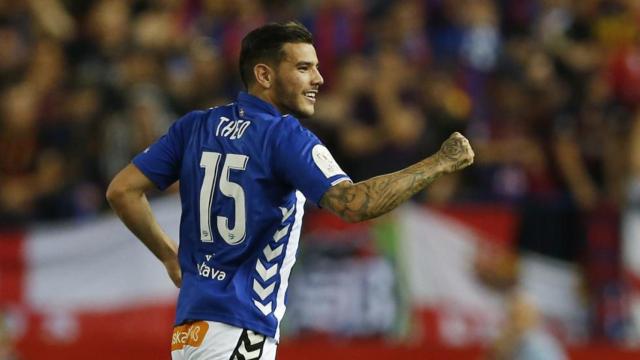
(207,271)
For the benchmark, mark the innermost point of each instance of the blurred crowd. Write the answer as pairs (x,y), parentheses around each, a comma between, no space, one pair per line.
(547,91)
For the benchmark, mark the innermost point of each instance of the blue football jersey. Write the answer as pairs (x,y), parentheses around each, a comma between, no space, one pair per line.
(245,172)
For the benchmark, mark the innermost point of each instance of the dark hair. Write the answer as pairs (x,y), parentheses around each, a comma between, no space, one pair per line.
(264,44)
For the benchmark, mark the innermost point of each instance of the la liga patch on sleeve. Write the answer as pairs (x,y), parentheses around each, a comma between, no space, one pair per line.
(325,162)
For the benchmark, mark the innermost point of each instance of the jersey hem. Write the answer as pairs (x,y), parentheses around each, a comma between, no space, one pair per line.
(250,325)
(342,178)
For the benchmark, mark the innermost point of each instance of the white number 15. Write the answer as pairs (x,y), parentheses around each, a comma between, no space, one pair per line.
(228,188)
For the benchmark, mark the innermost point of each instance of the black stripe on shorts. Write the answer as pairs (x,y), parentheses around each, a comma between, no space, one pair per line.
(249,346)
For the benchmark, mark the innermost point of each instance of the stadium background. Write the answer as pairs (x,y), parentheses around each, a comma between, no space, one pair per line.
(547,91)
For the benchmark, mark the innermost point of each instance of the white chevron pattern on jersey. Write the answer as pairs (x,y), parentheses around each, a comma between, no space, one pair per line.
(288,261)
(266,273)
(266,270)
(281,233)
(270,253)
(263,292)
(265,309)
(286,213)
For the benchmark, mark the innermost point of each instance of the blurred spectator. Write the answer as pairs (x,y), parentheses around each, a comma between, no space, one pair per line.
(339,31)
(7,351)
(631,244)
(523,335)
(19,145)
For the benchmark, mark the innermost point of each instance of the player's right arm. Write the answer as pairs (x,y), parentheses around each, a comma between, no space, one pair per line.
(157,167)
(126,195)
(376,196)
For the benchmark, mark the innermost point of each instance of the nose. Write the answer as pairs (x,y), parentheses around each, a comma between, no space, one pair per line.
(317,78)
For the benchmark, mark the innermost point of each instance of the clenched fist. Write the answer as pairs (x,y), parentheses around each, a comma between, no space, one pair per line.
(455,153)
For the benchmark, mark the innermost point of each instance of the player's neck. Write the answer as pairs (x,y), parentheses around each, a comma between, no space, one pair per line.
(264,95)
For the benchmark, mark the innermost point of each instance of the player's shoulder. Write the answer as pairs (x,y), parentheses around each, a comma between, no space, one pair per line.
(212,112)
(289,125)
(203,115)
(192,117)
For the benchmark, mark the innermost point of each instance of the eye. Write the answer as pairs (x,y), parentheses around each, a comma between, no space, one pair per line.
(303,68)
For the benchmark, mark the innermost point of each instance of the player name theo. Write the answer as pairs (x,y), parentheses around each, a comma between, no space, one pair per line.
(232,129)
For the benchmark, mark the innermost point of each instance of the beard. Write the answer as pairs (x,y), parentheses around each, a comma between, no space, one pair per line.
(289,100)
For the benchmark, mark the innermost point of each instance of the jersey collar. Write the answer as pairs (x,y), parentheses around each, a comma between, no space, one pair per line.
(252,103)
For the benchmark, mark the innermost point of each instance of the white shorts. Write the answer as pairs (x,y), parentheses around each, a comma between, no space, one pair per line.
(210,340)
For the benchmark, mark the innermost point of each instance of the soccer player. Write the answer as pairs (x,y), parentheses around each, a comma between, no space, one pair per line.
(245,172)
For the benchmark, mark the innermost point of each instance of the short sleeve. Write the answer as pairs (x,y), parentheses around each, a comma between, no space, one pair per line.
(303,161)
(161,161)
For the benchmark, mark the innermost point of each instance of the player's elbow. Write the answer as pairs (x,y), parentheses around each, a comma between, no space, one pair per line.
(346,216)
(128,186)
(343,200)
(352,218)
(349,216)
(115,192)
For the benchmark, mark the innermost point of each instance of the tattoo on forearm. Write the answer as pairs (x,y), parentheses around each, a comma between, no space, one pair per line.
(381,194)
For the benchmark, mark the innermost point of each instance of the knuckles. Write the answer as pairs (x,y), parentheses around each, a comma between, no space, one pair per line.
(464,153)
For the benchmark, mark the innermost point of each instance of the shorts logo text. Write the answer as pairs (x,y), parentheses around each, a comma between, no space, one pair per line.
(189,335)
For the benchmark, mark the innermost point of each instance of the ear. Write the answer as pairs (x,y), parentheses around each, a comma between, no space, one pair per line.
(264,75)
